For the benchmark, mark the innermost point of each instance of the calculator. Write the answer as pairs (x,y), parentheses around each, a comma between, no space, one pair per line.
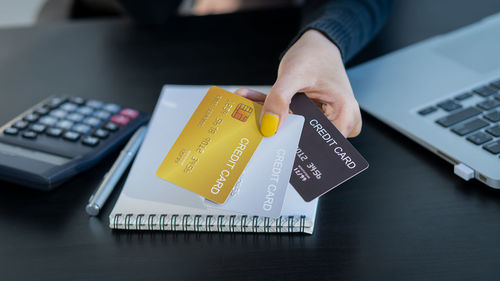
(61,137)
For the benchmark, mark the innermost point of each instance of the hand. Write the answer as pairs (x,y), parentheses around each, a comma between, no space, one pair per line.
(313,65)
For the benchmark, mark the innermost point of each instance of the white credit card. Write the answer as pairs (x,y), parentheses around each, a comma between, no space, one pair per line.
(261,188)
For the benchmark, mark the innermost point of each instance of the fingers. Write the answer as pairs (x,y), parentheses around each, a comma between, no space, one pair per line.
(342,111)
(358,124)
(276,106)
(345,115)
(251,94)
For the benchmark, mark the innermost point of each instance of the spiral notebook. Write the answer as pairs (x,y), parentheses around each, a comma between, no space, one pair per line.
(150,203)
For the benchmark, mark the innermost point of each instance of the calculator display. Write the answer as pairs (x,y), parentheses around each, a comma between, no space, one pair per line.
(11,150)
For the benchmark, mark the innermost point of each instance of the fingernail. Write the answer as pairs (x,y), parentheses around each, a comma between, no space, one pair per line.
(269,124)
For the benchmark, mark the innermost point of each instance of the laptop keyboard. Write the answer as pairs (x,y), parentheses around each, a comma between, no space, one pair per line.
(479,122)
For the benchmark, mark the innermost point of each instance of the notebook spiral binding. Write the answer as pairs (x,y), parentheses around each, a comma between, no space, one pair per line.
(207,223)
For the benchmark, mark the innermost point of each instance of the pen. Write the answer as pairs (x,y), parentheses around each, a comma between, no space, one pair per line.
(97,200)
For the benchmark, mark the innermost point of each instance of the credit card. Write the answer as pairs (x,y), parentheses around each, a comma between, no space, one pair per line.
(214,147)
(324,159)
(261,189)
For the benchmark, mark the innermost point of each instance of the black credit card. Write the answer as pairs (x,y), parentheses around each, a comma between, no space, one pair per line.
(324,159)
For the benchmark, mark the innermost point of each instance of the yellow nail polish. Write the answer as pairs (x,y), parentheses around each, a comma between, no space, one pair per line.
(269,124)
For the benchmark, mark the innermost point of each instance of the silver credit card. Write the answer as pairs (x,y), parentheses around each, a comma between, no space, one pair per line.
(261,188)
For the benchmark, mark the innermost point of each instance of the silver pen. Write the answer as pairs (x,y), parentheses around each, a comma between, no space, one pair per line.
(97,200)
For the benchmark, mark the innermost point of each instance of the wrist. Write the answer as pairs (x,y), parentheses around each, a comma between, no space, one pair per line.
(321,41)
(319,45)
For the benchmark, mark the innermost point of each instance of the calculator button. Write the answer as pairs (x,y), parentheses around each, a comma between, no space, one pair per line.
(54,132)
(38,128)
(30,117)
(64,124)
(71,136)
(58,113)
(77,100)
(11,131)
(75,117)
(81,128)
(29,135)
(69,107)
(120,120)
(94,104)
(92,121)
(20,125)
(90,141)
(85,110)
(100,133)
(111,127)
(55,102)
(113,108)
(48,120)
(130,113)
(102,114)
(41,110)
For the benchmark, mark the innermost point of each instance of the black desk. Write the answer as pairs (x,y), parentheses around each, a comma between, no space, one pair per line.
(407,218)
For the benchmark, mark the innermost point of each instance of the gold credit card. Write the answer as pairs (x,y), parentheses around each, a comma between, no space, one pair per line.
(214,147)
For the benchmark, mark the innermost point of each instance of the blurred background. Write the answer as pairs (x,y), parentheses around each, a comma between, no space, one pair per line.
(433,16)
(19,13)
(28,12)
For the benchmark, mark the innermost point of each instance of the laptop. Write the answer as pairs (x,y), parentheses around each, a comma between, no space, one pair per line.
(444,93)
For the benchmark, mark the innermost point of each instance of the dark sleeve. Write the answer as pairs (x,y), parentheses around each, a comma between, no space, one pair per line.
(151,11)
(349,24)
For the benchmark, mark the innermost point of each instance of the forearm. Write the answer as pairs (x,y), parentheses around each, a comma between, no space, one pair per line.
(349,24)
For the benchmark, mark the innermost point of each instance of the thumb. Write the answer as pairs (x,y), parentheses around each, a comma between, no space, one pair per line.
(276,106)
